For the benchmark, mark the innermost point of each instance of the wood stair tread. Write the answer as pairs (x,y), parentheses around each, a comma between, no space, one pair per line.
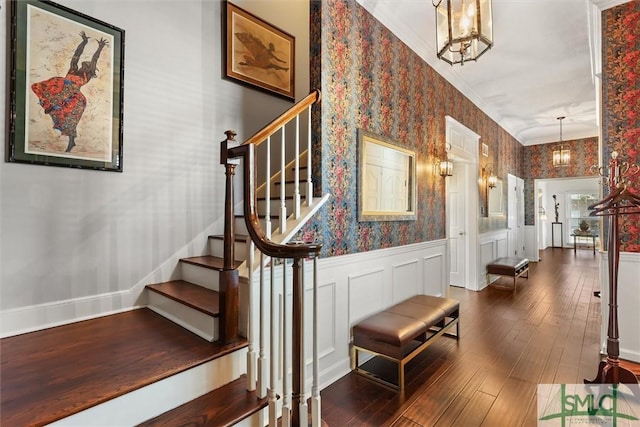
(51,374)
(197,297)
(275,198)
(208,261)
(224,406)
(237,237)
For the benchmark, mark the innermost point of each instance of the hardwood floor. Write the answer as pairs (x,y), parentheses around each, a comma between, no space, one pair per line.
(547,331)
(50,374)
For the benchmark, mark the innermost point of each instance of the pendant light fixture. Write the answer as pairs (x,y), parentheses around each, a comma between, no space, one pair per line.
(561,155)
(464,29)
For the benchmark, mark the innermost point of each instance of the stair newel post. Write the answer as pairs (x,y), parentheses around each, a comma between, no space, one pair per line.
(229,277)
(230,167)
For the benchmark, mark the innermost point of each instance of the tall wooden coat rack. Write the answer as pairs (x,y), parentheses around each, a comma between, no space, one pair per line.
(620,201)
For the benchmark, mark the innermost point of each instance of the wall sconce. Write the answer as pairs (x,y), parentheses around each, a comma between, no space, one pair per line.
(445,168)
(542,213)
(487,173)
(561,155)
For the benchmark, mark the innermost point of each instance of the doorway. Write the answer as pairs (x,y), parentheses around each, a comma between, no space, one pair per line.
(462,205)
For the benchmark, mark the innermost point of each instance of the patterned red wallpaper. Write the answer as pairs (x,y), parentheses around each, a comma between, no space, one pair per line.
(621,100)
(371,80)
(538,165)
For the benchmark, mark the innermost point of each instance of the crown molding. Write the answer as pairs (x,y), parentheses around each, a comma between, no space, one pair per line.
(608,4)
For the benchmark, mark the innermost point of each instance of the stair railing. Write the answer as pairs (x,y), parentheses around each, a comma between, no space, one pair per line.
(294,409)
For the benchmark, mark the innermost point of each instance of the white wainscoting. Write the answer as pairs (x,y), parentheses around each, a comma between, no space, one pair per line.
(493,245)
(628,303)
(531,243)
(367,282)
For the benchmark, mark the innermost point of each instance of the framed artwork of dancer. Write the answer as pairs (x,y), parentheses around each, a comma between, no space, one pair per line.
(66,92)
(258,53)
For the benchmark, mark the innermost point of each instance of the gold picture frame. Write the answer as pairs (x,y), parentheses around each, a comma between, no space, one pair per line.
(258,53)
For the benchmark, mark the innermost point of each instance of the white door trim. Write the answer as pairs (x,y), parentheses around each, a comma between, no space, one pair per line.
(467,154)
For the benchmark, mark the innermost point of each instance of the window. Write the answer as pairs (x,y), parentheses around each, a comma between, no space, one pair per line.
(578,214)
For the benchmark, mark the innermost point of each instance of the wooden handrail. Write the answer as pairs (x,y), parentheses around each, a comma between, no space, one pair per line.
(247,152)
(262,242)
(276,124)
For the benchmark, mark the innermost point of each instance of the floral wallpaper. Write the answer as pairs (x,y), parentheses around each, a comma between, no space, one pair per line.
(371,80)
(538,165)
(621,100)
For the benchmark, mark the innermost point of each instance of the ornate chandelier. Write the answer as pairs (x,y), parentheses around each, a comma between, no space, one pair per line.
(464,30)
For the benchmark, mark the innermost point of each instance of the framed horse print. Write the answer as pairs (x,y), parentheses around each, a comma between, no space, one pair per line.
(259,54)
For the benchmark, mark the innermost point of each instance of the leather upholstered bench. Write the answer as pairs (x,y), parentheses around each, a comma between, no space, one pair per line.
(402,331)
(509,266)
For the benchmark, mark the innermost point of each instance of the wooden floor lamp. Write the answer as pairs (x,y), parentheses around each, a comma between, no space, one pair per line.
(620,201)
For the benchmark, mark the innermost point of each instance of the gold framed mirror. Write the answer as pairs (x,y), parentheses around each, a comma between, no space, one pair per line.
(386,179)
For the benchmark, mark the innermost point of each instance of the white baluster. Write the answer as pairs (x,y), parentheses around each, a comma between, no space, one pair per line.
(283,206)
(309,155)
(262,359)
(272,394)
(316,412)
(296,172)
(251,353)
(286,392)
(267,197)
(304,414)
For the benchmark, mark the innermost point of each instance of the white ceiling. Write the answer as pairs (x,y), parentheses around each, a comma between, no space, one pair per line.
(538,69)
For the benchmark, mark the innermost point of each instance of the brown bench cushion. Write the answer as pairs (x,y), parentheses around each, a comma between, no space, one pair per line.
(508,266)
(389,327)
(402,331)
(448,305)
(391,330)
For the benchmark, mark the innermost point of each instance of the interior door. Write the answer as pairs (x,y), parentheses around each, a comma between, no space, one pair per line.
(512,216)
(520,249)
(456,204)
(515,216)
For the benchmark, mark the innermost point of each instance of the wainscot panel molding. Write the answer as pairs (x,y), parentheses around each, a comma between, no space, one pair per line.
(493,245)
(531,244)
(628,304)
(366,282)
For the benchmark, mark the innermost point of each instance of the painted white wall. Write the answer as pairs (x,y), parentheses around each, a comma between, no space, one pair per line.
(80,243)
(628,303)
(560,187)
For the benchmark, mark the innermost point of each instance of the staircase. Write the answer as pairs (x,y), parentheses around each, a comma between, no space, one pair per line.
(212,305)
(225,299)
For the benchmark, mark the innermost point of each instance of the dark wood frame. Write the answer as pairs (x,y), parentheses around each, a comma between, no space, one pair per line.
(262,35)
(18,147)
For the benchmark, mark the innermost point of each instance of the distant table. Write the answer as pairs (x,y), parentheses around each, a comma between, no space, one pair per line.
(587,236)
